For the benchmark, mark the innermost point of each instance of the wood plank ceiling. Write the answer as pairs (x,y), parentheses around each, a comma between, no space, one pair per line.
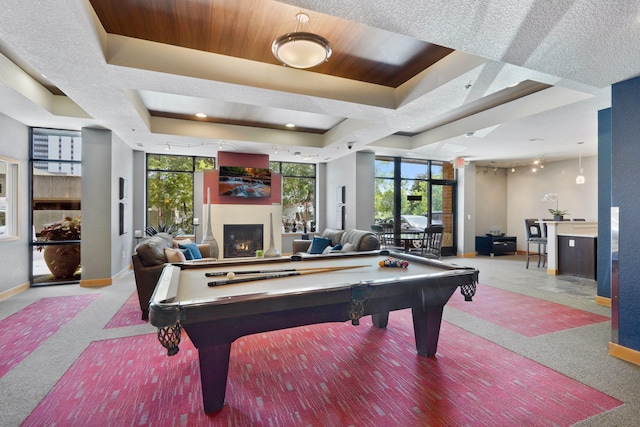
(246,29)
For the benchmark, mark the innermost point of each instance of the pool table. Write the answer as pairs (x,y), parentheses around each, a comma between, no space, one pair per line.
(215,313)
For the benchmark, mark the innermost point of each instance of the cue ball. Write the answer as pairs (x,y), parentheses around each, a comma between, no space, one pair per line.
(231,275)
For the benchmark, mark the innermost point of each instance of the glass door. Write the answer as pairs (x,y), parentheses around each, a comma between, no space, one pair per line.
(442,212)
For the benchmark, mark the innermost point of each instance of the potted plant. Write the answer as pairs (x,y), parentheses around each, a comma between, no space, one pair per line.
(172,229)
(557,213)
(63,260)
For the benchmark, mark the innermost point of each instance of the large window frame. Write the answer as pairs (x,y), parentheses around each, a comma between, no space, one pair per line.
(172,177)
(55,188)
(299,192)
(426,188)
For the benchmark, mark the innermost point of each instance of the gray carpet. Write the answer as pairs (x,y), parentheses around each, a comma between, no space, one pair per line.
(580,353)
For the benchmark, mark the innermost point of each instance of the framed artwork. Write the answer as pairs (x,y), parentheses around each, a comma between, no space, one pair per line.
(122,188)
(340,212)
(121,218)
(340,194)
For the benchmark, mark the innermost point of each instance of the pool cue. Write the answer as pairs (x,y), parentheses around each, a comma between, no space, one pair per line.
(282,270)
(279,275)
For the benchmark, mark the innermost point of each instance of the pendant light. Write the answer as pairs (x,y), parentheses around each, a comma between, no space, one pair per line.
(301,49)
(580,178)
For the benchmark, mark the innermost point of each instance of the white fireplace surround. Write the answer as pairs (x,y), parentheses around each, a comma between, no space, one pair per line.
(245,214)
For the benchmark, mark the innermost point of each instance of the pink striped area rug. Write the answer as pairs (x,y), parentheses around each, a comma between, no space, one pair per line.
(24,331)
(525,315)
(321,375)
(128,315)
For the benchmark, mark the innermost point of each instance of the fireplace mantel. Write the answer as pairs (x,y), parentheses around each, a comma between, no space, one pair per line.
(246,214)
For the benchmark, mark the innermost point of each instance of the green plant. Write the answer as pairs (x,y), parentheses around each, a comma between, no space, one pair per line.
(66,229)
(172,229)
(557,212)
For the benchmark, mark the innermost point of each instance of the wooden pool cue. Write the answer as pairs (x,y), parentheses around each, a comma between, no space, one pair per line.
(280,275)
(279,270)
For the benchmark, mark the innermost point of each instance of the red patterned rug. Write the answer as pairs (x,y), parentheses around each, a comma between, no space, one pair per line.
(128,315)
(25,330)
(330,374)
(525,315)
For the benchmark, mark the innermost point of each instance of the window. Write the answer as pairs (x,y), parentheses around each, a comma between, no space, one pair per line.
(298,194)
(8,199)
(170,190)
(418,192)
(56,178)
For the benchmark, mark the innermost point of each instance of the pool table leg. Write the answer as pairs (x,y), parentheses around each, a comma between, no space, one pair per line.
(426,328)
(214,368)
(380,320)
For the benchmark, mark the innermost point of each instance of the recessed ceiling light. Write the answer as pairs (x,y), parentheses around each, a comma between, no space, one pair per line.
(201,115)
(290,125)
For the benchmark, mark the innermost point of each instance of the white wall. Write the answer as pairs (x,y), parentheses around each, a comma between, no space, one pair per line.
(121,167)
(357,173)
(105,159)
(14,254)
(525,191)
(491,199)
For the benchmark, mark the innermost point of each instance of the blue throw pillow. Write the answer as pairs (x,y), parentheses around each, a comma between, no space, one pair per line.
(318,245)
(193,248)
(187,253)
(337,247)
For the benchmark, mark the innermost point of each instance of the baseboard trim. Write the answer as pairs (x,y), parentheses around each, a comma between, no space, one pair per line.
(467,255)
(603,301)
(14,291)
(95,283)
(552,271)
(624,353)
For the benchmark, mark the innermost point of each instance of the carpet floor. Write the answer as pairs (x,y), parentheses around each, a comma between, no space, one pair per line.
(525,315)
(320,375)
(25,330)
(128,315)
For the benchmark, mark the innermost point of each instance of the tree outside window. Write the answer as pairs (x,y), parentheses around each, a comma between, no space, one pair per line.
(298,194)
(170,190)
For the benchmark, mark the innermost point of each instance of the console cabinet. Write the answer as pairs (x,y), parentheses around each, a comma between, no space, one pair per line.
(577,256)
(496,245)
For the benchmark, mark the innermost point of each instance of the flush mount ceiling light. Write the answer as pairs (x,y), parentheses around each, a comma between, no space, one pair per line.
(301,49)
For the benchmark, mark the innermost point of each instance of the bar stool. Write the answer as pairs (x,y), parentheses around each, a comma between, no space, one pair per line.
(533,235)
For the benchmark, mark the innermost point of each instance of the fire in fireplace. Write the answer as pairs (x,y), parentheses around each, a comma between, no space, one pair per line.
(242,240)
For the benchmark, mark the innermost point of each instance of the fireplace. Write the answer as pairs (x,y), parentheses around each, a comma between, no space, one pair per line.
(242,240)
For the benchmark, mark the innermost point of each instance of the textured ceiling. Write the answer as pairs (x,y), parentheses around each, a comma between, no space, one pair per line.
(144,90)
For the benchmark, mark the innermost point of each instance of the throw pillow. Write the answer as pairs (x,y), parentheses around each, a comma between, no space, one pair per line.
(187,253)
(174,255)
(193,248)
(177,243)
(348,247)
(151,250)
(327,250)
(337,247)
(318,245)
